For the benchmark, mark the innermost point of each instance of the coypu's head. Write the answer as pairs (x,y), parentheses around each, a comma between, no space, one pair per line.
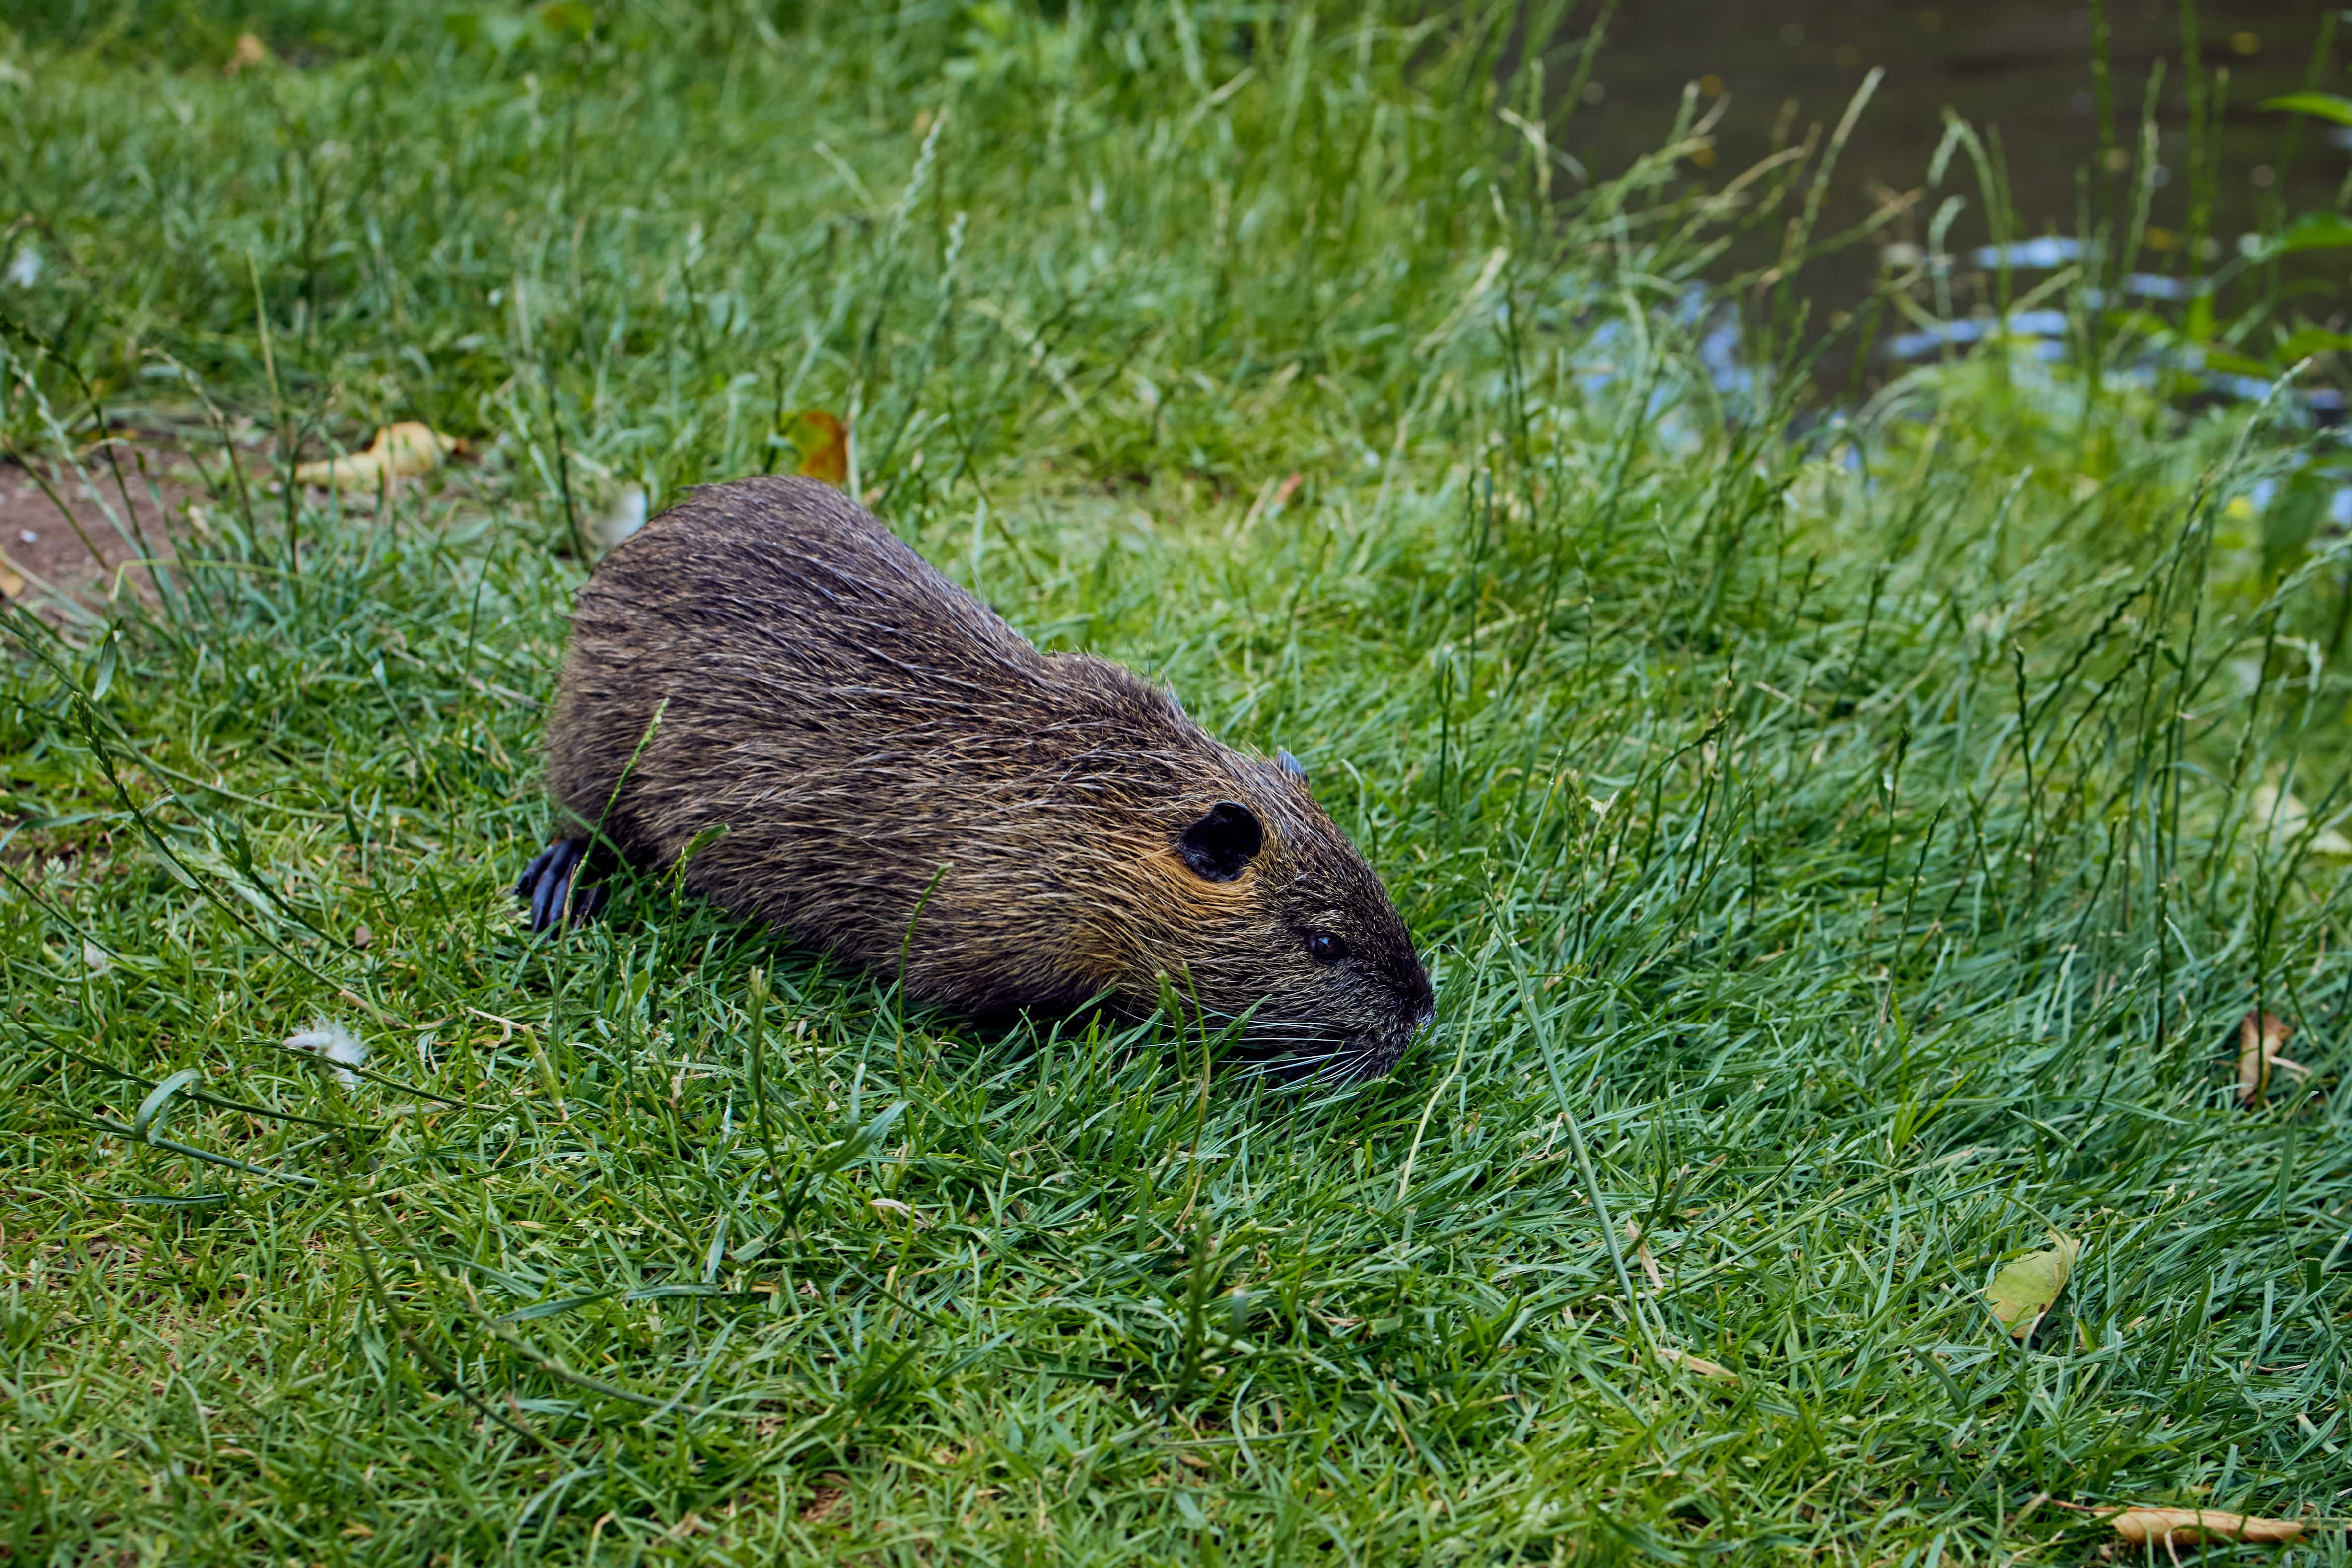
(1276,916)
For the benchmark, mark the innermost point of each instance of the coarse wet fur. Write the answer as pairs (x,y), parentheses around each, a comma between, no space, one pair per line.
(766,680)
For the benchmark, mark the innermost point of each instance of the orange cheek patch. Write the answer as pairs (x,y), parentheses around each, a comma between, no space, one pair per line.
(1157,911)
(1168,883)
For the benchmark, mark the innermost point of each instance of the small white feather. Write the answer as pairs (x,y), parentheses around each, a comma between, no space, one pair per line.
(338,1045)
(625,517)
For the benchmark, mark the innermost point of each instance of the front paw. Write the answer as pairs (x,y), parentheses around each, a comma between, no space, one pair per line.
(553,885)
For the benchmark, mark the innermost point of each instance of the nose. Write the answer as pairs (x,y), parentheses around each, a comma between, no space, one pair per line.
(1420,1002)
(1424,998)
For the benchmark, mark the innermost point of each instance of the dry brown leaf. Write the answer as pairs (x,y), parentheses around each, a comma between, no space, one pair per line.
(1698,1366)
(2190,1526)
(822,443)
(399,450)
(2260,1037)
(1641,1251)
(11,585)
(827,1496)
(250,51)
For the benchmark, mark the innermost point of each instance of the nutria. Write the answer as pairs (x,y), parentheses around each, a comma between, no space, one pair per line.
(847,745)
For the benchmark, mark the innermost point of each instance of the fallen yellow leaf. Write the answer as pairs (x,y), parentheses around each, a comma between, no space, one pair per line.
(822,443)
(1698,1366)
(2022,1291)
(2189,1526)
(250,51)
(2260,1036)
(11,585)
(399,450)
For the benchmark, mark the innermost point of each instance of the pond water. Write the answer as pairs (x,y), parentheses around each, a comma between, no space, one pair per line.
(2020,72)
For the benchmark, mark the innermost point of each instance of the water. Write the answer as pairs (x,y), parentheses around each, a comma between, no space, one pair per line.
(2020,72)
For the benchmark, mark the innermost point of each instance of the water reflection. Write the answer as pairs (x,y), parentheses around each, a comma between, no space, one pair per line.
(2020,72)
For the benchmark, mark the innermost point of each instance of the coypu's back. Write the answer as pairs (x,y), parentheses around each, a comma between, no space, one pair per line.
(858,726)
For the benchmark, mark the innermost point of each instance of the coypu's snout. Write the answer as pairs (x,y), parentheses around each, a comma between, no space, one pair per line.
(1313,949)
(1375,1053)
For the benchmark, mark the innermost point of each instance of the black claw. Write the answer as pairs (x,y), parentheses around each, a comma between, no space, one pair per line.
(544,898)
(548,882)
(555,887)
(530,873)
(559,875)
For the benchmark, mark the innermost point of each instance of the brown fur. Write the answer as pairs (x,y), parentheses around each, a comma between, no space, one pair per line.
(856,722)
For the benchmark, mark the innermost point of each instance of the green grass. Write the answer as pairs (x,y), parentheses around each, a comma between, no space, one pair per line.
(1853,843)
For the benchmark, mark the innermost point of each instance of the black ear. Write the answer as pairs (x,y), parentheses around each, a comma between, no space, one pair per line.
(1291,765)
(1220,844)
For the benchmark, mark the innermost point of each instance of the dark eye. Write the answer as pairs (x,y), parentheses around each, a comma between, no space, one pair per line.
(1325,948)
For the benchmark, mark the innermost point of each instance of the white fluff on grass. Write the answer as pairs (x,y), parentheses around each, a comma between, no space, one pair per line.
(337,1044)
(616,522)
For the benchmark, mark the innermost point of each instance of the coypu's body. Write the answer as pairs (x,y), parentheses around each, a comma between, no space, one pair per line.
(840,724)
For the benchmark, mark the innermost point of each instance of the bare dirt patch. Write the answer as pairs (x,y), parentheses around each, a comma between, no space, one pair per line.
(75,536)
(72,542)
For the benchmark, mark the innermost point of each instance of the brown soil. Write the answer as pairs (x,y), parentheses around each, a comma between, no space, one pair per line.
(71,564)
